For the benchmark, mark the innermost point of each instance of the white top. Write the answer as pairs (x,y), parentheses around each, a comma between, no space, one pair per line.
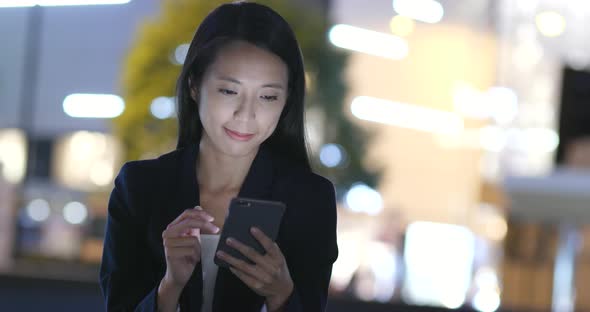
(208,247)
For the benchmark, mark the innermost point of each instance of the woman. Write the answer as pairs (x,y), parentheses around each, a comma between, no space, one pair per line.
(241,133)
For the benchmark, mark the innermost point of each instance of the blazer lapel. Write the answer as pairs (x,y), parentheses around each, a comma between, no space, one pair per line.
(230,292)
(191,296)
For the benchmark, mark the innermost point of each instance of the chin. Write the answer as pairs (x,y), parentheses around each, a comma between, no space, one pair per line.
(240,149)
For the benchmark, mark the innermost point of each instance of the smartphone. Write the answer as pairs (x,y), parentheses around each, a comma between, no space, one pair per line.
(243,214)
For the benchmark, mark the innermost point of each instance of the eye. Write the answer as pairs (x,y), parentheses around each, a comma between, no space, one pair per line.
(226,91)
(269,98)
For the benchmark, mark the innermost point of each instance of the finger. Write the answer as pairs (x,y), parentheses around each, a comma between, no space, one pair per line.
(182,227)
(194,232)
(247,268)
(210,228)
(181,242)
(250,281)
(269,245)
(261,260)
(199,224)
(186,225)
(196,212)
(200,211)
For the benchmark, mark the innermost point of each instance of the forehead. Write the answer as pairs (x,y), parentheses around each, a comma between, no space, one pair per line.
(247,62)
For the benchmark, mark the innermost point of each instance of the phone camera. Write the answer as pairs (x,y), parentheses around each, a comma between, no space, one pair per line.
(244,203)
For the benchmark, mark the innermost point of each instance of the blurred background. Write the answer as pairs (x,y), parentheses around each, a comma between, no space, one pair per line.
(457,134)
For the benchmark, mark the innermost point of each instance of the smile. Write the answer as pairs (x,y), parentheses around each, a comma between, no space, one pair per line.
(238,136)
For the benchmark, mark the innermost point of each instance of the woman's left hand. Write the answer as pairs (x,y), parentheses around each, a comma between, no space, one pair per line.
(268,276)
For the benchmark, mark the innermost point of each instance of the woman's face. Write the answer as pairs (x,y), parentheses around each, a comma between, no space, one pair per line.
(241,98)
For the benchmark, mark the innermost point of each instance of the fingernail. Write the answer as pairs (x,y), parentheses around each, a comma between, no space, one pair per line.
(229,240)
(253,230)
(215,229)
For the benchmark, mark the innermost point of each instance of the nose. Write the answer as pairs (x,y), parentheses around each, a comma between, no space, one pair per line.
(246,110)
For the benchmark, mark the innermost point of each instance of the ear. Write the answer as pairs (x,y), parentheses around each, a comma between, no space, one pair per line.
(192,90)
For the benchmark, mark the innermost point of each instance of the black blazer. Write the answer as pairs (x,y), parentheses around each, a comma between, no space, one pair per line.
(149,194)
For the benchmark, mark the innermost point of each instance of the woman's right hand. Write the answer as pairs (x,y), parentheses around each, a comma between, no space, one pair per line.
(182,244)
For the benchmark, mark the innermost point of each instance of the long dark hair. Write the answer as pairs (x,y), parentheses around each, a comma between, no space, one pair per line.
(263,27)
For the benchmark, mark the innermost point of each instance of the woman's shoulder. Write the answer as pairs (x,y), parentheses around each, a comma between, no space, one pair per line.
(140,183)
(308,179)
(300,180)
(146,170)
(291,169)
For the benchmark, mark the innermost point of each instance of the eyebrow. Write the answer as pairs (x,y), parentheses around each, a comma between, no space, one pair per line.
(268,85)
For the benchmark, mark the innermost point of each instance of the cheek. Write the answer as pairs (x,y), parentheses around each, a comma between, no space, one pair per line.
(269,120)
(212,113)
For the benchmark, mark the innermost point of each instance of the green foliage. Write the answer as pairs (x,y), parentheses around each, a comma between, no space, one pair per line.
(149,72)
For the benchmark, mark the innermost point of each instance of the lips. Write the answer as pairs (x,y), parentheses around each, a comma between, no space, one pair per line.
(238,135)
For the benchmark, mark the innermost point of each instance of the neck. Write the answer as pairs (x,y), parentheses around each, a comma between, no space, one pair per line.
(219,173)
